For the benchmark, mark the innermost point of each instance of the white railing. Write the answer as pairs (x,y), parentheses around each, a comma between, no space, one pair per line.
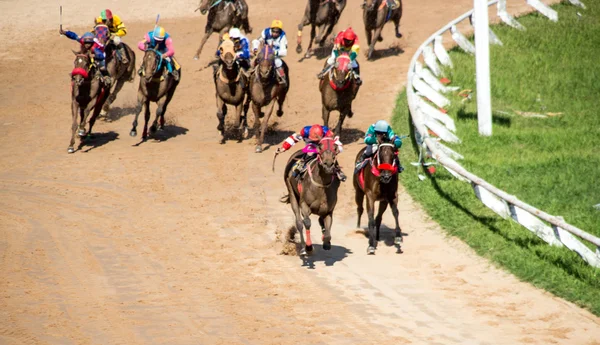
(423,81)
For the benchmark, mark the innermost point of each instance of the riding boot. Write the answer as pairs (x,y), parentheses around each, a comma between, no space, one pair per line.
(361,163)
(392,4)
(105,76)
(357,78)
(340,173)
(322,73)
(281,76)
(122,54)
(400,167)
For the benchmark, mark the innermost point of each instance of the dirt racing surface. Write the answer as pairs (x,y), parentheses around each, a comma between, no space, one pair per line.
(178,240)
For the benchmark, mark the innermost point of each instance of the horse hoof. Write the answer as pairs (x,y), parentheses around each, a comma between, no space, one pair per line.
(133,133)
(261,115)
(303,252)
(153,129)
(70,150)
(307,55)
(371,251)
(398,240)
(350,114)
(258,149)
(196,57)
(398,35)
(327,245)
(279,113)
(81,133)
(380,39)
(298,49)
(309,249)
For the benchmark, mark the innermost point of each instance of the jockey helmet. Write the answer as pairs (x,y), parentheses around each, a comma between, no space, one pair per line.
(349,37)
(277,24)
(88,37)
(315,133)
(235,34)
(226,37)
(159,33)
(381,126)
(106,14)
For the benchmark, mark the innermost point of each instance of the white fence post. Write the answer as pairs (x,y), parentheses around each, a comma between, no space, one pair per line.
(482,60)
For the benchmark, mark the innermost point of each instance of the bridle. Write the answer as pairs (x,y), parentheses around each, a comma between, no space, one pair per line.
(385,166)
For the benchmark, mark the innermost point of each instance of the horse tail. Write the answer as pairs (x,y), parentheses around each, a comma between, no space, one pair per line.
(131,67)
(285,199)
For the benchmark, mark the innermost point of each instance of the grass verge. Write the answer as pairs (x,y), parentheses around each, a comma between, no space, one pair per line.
(551,163)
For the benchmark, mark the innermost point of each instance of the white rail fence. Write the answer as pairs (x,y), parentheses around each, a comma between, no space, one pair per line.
(424,89)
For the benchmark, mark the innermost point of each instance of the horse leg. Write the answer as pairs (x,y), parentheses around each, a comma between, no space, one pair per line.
(139,108)
(382,207)
(75,113)
(305,209)
(221,107)
(238,121)
(167,101)
(376,36)
(263,128)
(298,216)
(160,114)
(327,232)
(397,26)
(113,95)
(146,120)
(245,110)
(305,21)
(372,235)
(86,113)
(313,32)
(325,116)
(359,197)
(97,109)
(398,232)
(256,110)
(204,39)
(338,127)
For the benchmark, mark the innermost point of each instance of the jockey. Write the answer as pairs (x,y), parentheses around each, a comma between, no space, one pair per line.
(241,45)
(345,42)
(161,41)
(311,135)
(117,30)
(392,4)
(274,36)
(91,43)
(339,6)
(379,129)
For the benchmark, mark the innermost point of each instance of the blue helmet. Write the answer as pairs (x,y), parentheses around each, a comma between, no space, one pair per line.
(88,37)
(381,126)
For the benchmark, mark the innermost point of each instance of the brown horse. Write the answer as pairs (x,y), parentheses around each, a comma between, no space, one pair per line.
(338,90)
(156,85)
(222,16)
(265,90)
(87,93)
(119,72)
(231,87)
(375,14)
(323,14)
(378,180)
(314,192)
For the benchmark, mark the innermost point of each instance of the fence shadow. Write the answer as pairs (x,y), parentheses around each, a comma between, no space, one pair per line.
(499,120)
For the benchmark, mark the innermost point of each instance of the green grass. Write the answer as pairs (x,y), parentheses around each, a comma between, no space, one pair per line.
(552,163)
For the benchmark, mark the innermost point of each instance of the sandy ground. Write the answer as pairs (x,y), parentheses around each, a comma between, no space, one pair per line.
(174,241)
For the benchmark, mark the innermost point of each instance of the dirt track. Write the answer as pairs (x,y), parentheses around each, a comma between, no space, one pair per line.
(174,241)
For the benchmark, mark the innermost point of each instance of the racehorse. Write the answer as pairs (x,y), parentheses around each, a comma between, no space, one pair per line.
(231,86)
(119,72)
(375,14)
(323,14)
(338,89)
(314,192)
(265,90)
(222,16)
(378,180)
(88,93)
(156,85)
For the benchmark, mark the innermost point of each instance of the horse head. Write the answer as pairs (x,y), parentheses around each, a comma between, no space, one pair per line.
(206,5)
(327,157)
(386,162)
(81,68)
(266,61)
(227,54)
(341,71)
(152,61)
(369,5)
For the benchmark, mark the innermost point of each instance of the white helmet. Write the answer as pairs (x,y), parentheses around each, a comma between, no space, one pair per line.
(235,33)
(381,126)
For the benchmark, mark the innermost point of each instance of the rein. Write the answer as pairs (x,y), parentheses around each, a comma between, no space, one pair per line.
(385,166)
(313,180)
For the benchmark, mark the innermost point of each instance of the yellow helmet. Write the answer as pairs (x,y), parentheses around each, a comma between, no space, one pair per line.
(277,24)
(226,37)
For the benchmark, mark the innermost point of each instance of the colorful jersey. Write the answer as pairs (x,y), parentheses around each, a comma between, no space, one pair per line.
(371,137)
(303,135)
(102,33)
(163,47)
(242,49)
(117,28)
(339,48)
(97,47)
(279,44)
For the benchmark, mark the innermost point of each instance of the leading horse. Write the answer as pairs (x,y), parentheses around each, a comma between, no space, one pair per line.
(378,180)
(222,16)
(88,93)
(323,14)
(376,13)
(156,85)
(119,72)
(314,192)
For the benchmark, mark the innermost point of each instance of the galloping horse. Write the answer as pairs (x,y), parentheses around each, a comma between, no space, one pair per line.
(156,85)
(222,16)
(314,192)
(375,14)
(87,93)
(322,13)
(378,180)
(231,86)
(119,72)
(338,90)
(265,90)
